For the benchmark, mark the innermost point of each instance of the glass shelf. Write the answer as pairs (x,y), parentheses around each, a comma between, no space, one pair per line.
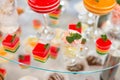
(70,15)
(63,71)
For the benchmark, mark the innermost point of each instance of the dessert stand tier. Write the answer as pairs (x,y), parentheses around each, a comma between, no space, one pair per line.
(51,65)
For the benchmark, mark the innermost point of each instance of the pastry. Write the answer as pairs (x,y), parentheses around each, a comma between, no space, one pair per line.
(76,67)
(2,73)
(25,59)
(41,52)
(20,10)
(103,45)
(54,16)
(77,27)
(56,76)
(11,43)
(36,24)
(93,61)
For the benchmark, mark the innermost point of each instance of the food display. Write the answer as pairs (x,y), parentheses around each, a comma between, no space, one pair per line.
(69,48)
(5,54)
(56,76)
(76,67)
(94,61)
(54,52)
(1,35)
(37,24)
(99,6)
(20,10)
(25,59)
(54,16)
(77,27)
(103,45)
(2,73)
(41,52)
(11,43)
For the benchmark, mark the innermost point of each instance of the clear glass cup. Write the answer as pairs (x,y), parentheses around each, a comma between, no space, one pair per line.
(8,16)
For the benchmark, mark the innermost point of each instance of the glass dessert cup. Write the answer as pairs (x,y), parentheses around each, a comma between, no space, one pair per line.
(8,16)
(98,8)
(115,22)
(44,7)
(71,51)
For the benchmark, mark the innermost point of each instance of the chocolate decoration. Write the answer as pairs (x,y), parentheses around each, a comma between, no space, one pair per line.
(76,67)
(92,60)
(56,76)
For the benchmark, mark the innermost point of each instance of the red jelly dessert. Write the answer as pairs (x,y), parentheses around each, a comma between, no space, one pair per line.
(1,35)
(2,73)
(11,43)
(103,45)
(25,59)
(77,27)
(36,24)
(40,52)
(43,6)
(54,52)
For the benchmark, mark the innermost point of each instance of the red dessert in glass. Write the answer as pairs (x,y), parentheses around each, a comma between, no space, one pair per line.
(43,6)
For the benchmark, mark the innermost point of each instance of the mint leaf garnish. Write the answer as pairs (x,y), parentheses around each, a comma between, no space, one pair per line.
(21,57)
(13,37)
(60,6)
(58,49)
(83,41)
(72,37)
(118,1)
(46,45)
(78,25)
(77,36)
(104,37)
(69,39)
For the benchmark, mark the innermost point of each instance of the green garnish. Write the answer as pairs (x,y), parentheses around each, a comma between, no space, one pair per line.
(104,37)
(46,45)
(69,39)
(60,6)
(21,57)
(78,25)
(58,49)
(118,1)
(13,37)
(77,36)
(97,0)
(83,41)
(72,37)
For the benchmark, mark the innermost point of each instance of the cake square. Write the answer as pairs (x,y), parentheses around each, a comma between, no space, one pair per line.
(40,52)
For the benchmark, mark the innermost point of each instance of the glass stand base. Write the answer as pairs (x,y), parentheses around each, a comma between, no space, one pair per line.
(46,35)
(107,79)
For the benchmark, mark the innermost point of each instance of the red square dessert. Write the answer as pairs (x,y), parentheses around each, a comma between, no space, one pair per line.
(40,52)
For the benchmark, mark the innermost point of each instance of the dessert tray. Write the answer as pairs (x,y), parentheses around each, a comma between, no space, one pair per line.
(22,58)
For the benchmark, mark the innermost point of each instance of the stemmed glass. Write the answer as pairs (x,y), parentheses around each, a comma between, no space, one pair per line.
(43,7)
(8,16)
(115,21)
(98,7)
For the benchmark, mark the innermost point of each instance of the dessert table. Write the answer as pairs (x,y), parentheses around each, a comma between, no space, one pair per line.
(72,12)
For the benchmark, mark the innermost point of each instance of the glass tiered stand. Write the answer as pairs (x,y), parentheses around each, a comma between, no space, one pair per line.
(43,71)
